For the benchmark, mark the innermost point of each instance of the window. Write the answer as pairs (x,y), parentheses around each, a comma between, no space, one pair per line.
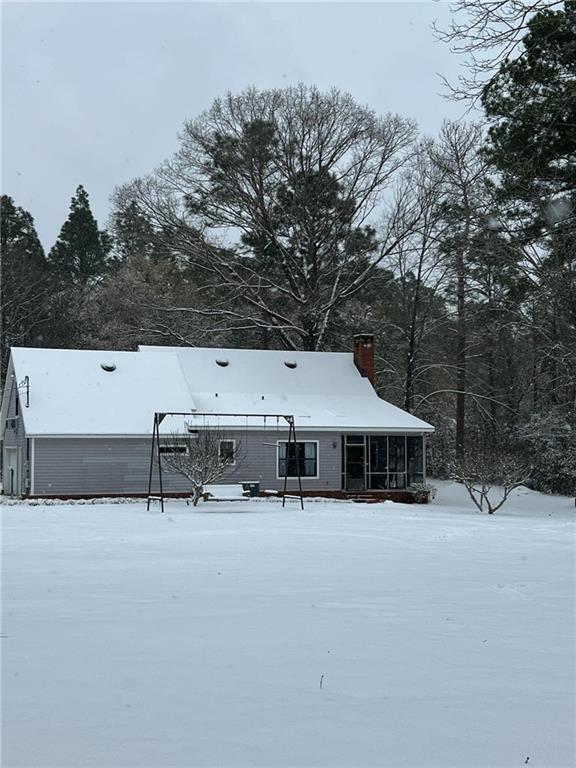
(172,449)
(297,458)
(227,452)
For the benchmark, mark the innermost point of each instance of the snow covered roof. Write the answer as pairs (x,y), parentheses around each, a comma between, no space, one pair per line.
(72,394)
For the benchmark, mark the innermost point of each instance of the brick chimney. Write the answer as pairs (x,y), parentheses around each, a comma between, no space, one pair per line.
(364,356)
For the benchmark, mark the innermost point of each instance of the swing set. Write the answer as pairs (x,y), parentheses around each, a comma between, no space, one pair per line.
(156,455)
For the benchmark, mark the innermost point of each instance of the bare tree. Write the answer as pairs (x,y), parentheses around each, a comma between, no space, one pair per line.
(487,467)
(488,33)
(466,205)
(202,457)
(293,179)
(419,268)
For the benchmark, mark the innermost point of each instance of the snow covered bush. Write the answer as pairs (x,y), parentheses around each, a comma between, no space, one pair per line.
(549,440)
(422,492)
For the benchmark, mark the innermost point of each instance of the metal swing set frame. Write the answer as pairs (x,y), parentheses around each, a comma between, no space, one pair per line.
(156,456)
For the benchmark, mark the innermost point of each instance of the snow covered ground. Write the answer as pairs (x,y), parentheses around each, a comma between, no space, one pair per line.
(242,634)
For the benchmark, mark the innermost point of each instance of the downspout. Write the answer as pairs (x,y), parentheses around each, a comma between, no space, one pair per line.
(32,463)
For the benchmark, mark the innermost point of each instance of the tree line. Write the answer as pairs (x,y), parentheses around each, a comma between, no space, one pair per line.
(294,218)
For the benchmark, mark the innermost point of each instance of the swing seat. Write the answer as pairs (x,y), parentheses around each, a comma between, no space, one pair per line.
(233,492)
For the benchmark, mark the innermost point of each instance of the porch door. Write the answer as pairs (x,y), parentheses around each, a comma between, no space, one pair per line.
(354,452)
(10,475)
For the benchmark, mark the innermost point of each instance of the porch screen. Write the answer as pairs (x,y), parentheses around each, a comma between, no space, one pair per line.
(378,474)
(415,454)
(397,462)
(394,461)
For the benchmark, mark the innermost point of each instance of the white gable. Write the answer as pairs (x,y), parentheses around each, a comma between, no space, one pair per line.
(71,394)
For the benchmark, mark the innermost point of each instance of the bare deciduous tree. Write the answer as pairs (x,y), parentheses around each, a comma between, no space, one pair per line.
(202,457)
(488,33)
(419,267)
(293,178)
(466,205)
(490,468)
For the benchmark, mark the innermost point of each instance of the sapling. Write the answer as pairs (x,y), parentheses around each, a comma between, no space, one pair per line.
(202,457)
(485,467)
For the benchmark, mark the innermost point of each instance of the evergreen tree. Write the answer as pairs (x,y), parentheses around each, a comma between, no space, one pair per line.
(464,208)
(23,285)
(81,250)
(531,107)
(135,236)
(496,293)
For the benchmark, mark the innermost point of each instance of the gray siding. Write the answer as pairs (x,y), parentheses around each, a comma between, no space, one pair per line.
(121,465)
(14,436)
(257,460)
(94,466)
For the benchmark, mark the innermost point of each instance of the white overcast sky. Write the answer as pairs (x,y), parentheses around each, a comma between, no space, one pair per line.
(95,93)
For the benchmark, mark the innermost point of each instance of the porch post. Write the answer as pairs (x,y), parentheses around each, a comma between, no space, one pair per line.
(298,464)
(424,458)
(151,461)
(285,461)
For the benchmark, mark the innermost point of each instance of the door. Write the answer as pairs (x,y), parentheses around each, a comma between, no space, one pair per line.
(354,462)
(10,475)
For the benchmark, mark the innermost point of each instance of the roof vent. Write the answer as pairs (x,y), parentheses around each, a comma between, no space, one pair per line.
(108,367)
(222,362)
(290,363)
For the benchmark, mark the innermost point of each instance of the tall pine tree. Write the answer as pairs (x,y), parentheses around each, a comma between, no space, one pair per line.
(23,286)
(81,251)
(531,108)
(135,235)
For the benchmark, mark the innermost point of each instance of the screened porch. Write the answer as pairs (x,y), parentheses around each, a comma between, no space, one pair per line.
(382,462)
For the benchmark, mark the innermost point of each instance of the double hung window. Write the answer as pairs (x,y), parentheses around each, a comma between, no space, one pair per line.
(227,452)
(298,459)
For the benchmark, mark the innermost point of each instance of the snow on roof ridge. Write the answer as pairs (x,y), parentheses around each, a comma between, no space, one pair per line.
(217,350)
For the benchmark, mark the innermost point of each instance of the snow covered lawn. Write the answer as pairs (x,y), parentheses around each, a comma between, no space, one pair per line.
(242,634)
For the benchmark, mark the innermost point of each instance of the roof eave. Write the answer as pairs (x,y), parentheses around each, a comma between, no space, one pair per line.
(300,429)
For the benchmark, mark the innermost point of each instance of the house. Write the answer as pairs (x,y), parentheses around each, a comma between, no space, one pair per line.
(79,422)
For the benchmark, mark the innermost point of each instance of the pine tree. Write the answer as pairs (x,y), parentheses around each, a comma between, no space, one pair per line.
(465,203)
(23,286)
(81,250)
(135,236)
(531,107)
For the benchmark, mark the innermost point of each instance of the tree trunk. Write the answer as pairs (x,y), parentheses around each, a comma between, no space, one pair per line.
(492,386)
(411,355)
(460,358)
(535,387)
